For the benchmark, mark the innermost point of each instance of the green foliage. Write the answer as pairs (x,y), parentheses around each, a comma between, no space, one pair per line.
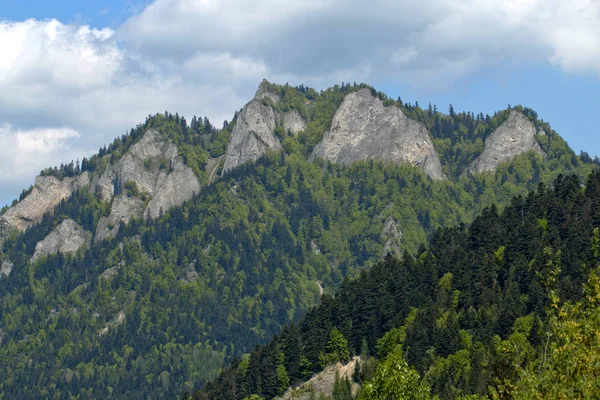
(568,366)
(341,388)
(209,280)
(395,379)
(337,349)
(469,311)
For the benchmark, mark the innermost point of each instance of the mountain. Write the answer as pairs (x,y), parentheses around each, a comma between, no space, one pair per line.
(141,271)
(362,128)
(473,313)
(516,135)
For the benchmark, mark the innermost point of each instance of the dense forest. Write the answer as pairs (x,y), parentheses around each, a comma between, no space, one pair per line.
(161,308)
(477,312)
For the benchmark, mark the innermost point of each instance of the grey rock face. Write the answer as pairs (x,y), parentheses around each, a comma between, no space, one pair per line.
(123,208)
(6,268)
(517,135)
(252,135)
(362,128)
(264,92)
(45,196)
(66,238)
(392,236)
(153,164)
(293,122)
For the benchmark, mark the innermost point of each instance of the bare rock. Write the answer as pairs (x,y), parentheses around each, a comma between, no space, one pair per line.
(363,128)
(190,274)
(392,236)
(160,175)
(264,92)
(66,238)
(323,382)
(116,321)
(253,134)
(293,122)
(45,196)
(123,208)
(516,136)
(6,268)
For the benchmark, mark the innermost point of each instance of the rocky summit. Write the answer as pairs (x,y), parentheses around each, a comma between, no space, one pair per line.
(517,135)
(254,131)
(363,128)
(148,180)
(253,134)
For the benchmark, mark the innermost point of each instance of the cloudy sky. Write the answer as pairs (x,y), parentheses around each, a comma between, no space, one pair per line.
(74,74)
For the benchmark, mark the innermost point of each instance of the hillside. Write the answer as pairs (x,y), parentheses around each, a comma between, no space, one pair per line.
(144,269)
(478,311)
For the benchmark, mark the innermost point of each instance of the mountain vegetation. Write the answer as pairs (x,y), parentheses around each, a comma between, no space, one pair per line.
(159,308)
(507,308)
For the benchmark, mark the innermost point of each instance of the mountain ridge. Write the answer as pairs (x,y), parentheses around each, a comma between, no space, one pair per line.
(206,280)
(260,127)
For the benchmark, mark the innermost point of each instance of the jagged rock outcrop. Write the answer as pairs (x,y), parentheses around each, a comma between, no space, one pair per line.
(162,180)
(392,236)
(264,91)
(293,122)
(66,238)
(6,268)
(363,128)
(45,196)
(123,208)
(323,382)
(517,135)
(253,134)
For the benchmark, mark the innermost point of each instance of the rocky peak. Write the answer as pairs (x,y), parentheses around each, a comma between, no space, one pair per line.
(517,135)
(363,128)
(45,196)
(148,179)
(66,238)
(253,134)
(264,90)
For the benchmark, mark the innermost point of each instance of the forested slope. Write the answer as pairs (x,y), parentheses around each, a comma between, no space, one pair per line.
(470,311)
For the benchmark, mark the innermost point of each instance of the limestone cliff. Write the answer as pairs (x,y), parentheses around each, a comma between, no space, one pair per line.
(517,135)
(363,128)
(45,196)
(162,180)
(66,238)
(253,134)
(292,121)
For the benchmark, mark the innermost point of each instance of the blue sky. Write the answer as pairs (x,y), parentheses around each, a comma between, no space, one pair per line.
(95,13)
(76,74)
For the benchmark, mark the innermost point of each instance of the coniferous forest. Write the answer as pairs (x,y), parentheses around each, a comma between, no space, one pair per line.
(508,307)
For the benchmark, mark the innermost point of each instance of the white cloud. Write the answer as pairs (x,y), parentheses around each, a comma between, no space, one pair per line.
(404,55)
(26,152)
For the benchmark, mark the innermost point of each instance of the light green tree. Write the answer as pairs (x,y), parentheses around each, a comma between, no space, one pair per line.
(569,368)
(396,380)
(337,349)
